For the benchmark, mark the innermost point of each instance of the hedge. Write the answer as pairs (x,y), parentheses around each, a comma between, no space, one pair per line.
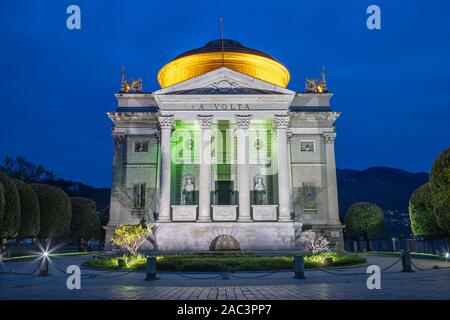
(440,190)
(30,215)
(9,225)
(55,211)
(85,222)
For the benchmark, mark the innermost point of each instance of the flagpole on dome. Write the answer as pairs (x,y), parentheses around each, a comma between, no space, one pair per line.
(221,37)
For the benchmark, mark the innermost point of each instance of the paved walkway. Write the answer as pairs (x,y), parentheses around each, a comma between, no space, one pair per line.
(349,284)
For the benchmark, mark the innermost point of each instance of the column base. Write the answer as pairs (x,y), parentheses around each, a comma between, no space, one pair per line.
(244,219)
(204,220)
(163,220)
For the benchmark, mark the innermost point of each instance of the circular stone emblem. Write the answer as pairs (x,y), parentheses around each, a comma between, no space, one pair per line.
(224,242)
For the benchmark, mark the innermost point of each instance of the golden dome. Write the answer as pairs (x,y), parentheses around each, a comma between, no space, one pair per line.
(235,56)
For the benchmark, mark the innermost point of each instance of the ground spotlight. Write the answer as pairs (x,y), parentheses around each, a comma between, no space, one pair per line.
(43,269)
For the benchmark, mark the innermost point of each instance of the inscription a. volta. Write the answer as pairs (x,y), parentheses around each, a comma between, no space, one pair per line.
(221,106)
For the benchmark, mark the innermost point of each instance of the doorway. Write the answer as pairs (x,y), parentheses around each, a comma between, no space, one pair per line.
(224,192)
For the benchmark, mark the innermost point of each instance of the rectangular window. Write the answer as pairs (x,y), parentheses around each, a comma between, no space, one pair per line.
(141,146)
(139,196)
(307,146)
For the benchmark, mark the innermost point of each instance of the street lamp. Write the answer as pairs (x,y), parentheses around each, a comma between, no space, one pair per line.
(393,244)
(43,269)
(446,256)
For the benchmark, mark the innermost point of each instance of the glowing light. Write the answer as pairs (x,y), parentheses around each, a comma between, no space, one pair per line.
(45,254)
(446,256)
(192,66)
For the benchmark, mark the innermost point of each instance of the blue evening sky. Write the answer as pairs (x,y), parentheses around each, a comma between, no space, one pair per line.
(392,86)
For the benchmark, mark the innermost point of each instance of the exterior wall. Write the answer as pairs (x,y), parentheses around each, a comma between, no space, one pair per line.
(252,236)
(309,168)
(130,168)
(140,167)
(316,169)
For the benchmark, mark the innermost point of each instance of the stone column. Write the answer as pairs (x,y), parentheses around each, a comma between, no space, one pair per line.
(291,180)
(116,187)
(204,208)
(117,174)
(333,208)
(284,189)
(165,124)
(243,123)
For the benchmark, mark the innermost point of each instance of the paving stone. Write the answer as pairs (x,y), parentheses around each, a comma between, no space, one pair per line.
(430,284)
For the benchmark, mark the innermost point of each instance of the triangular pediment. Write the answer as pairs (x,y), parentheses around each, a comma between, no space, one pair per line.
(223,81)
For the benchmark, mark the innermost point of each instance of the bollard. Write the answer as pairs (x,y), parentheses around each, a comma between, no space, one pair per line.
(150,269)
(43,269)
(406,261)
(299,267)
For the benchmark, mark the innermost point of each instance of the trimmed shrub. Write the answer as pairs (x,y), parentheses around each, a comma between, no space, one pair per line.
(366,219)
(9,225)
(421,213)
(29,210)
(55,211)
(440,190)
(85,222)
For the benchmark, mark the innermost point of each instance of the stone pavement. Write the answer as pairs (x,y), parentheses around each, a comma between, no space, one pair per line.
(322,285)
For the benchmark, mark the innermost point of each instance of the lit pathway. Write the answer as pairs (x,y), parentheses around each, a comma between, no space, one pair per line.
(431,284)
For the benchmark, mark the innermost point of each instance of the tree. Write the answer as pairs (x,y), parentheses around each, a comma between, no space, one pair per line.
(131,237)
(440,190)
(29,211)
(22,169)
(366,219)
(421,213)
(55,211)
(85,222)
(315,243)
(9,226)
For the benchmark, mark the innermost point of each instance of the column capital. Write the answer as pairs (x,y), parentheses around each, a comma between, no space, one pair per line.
(166,122)
(243,120)
(281,121)
(205,120)
(329,137)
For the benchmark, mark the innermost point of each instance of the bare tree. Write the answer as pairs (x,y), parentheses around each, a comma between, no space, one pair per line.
(314,242)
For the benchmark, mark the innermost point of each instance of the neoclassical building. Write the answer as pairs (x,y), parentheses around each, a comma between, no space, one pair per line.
(224,156)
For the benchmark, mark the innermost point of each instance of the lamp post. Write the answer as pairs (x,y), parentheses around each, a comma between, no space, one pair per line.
(43,269)
(393,244)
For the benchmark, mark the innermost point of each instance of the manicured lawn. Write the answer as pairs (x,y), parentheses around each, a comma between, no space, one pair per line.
(33,255)
(227,262)
(398,254)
